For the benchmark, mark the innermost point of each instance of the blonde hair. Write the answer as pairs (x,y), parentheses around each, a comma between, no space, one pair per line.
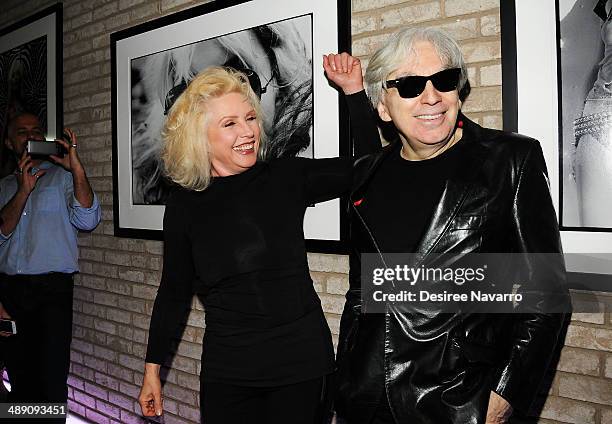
(186,150)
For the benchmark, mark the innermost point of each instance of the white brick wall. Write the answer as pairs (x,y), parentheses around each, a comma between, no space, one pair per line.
(115,290)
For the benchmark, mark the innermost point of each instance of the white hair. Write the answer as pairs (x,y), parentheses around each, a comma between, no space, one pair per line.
(400,46)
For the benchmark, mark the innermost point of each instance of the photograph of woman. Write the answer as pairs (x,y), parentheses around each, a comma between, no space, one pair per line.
(586,78)
(279,53)
(233,235)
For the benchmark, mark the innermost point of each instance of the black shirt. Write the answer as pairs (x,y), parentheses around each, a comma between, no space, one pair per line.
(403,195)
(239,245)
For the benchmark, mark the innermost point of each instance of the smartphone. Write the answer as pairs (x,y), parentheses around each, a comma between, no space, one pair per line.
(45,148)
(8,326)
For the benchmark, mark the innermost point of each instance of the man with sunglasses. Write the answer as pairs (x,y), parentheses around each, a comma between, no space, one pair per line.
(446,188)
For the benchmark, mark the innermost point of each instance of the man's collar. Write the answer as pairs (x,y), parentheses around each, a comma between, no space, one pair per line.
(45,164)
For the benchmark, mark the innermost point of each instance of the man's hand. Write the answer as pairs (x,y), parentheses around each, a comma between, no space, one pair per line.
(344,70)
(4,315)
(150,397)
(25,180)
(499,410)
(71,161)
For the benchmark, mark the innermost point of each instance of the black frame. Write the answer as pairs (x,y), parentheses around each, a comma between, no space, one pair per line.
(576,280)
(345,146)
(57,10)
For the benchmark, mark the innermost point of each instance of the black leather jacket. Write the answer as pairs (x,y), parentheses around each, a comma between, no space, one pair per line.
(441,368)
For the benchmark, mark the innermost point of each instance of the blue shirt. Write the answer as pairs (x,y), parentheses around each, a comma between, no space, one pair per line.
(45,238)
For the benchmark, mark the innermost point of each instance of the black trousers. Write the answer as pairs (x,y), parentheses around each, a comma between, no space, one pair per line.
(299,403)
(37,358)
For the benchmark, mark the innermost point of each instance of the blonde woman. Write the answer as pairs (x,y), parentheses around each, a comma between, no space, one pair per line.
(233,236)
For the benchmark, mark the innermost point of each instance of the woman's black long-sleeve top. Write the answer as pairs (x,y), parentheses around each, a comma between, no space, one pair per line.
(239,245)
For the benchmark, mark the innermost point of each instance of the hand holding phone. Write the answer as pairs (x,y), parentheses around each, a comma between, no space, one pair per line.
(7,327)
(45,148)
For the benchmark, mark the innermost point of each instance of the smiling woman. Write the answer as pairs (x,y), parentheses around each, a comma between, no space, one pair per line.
(234,225)
(205,125)
(233,133)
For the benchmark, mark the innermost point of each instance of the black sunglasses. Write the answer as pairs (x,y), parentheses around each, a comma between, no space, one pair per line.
(413,85)
(254,82)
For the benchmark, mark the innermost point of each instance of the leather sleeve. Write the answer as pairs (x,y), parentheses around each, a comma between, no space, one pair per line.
(543,283)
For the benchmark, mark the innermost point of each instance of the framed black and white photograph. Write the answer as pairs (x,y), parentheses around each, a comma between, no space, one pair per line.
(281,43)
(585,72)
(31,73)
(557,83)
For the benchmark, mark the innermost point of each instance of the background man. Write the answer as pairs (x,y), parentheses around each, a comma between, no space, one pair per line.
(43,205)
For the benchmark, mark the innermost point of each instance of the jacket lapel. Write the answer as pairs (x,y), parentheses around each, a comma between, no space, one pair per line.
(455,190)
(365,169)
(451,199)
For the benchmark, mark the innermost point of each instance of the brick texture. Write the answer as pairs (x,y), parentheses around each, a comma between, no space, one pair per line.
(115,290)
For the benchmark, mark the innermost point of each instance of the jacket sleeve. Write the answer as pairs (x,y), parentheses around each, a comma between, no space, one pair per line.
(546,298)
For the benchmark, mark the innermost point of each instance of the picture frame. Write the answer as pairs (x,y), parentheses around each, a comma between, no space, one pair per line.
(31,72)
(216,33)
(532,94)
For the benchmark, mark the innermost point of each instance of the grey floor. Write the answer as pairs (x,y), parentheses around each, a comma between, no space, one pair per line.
(71,419)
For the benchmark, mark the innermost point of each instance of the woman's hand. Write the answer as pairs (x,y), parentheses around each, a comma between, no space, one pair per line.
(344,70)
(150,397)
